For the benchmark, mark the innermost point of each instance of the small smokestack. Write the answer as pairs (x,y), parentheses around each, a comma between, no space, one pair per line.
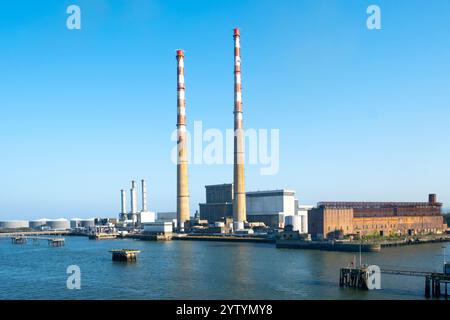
(133,197)
(182,167)
(144,195)
(432,198)
(123,197)
(239,209)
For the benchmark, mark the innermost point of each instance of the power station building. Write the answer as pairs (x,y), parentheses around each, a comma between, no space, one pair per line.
(330,219)
(270,207)
(136,217)
(219,203)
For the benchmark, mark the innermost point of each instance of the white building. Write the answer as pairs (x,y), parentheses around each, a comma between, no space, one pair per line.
(167,217)
(147,216)
(273,206)
(302,211)
(270,206)
(158,227)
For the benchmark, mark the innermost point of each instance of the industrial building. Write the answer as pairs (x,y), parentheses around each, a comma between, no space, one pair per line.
(38,224)
(271,207)
(159,227)
(58,224)
(333,219)
(77,223)
(14,224)
(167,217)
(49,224)
(219,203)
(135,217)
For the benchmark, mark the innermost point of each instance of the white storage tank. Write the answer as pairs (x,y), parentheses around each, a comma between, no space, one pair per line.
(58,224)
(38,224)
(87,223)
(294,221)
(75,223)
(14,224)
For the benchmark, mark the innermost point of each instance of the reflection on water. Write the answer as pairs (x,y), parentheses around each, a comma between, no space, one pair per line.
(202,270)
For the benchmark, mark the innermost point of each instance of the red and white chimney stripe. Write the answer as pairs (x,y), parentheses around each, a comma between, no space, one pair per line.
(239,206)
(182,165)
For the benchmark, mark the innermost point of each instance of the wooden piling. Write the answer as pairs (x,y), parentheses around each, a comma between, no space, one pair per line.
(353,278)
(427,287)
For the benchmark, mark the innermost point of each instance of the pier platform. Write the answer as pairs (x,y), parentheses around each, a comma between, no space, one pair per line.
(125,255)
(102,236)
(52,242)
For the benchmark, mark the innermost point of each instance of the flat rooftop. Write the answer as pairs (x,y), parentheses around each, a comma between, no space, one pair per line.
(361,205)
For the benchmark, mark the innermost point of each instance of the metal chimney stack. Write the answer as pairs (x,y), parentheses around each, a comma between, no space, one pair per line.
(182,167)
(123,197)
(133,198)
(239,209)
(144,195)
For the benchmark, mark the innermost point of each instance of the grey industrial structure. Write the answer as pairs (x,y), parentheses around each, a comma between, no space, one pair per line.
(219,202)
(270,207)
(135,217)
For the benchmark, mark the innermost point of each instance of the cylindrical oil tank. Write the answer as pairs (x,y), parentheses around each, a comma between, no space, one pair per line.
(294,221)
(75,223)
(14,224)
(38,224)
(58,224)
(87,223)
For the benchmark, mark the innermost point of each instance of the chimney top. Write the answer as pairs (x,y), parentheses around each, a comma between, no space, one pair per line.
(432,198)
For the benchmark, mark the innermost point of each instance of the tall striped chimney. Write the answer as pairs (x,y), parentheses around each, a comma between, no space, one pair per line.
(239,209)
(133,197)
(183,214)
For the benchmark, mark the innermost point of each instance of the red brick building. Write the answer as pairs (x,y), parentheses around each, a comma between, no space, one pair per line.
(376,218)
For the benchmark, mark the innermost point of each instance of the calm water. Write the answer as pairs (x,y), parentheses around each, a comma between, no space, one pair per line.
(201,270)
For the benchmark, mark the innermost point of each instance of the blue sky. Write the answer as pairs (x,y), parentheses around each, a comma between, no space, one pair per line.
(363,115)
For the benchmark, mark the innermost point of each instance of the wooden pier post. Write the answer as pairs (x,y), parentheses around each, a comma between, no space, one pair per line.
(446,293)
(353,278)
(438,288)
(427,287)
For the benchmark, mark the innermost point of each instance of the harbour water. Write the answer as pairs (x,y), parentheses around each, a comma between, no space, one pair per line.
(202,270)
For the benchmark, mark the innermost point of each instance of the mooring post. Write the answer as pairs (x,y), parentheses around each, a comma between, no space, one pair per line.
(433,287)
(446,295)
(427,287)
(438,288)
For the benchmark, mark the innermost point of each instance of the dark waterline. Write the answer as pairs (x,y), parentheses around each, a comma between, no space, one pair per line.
(202,270)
